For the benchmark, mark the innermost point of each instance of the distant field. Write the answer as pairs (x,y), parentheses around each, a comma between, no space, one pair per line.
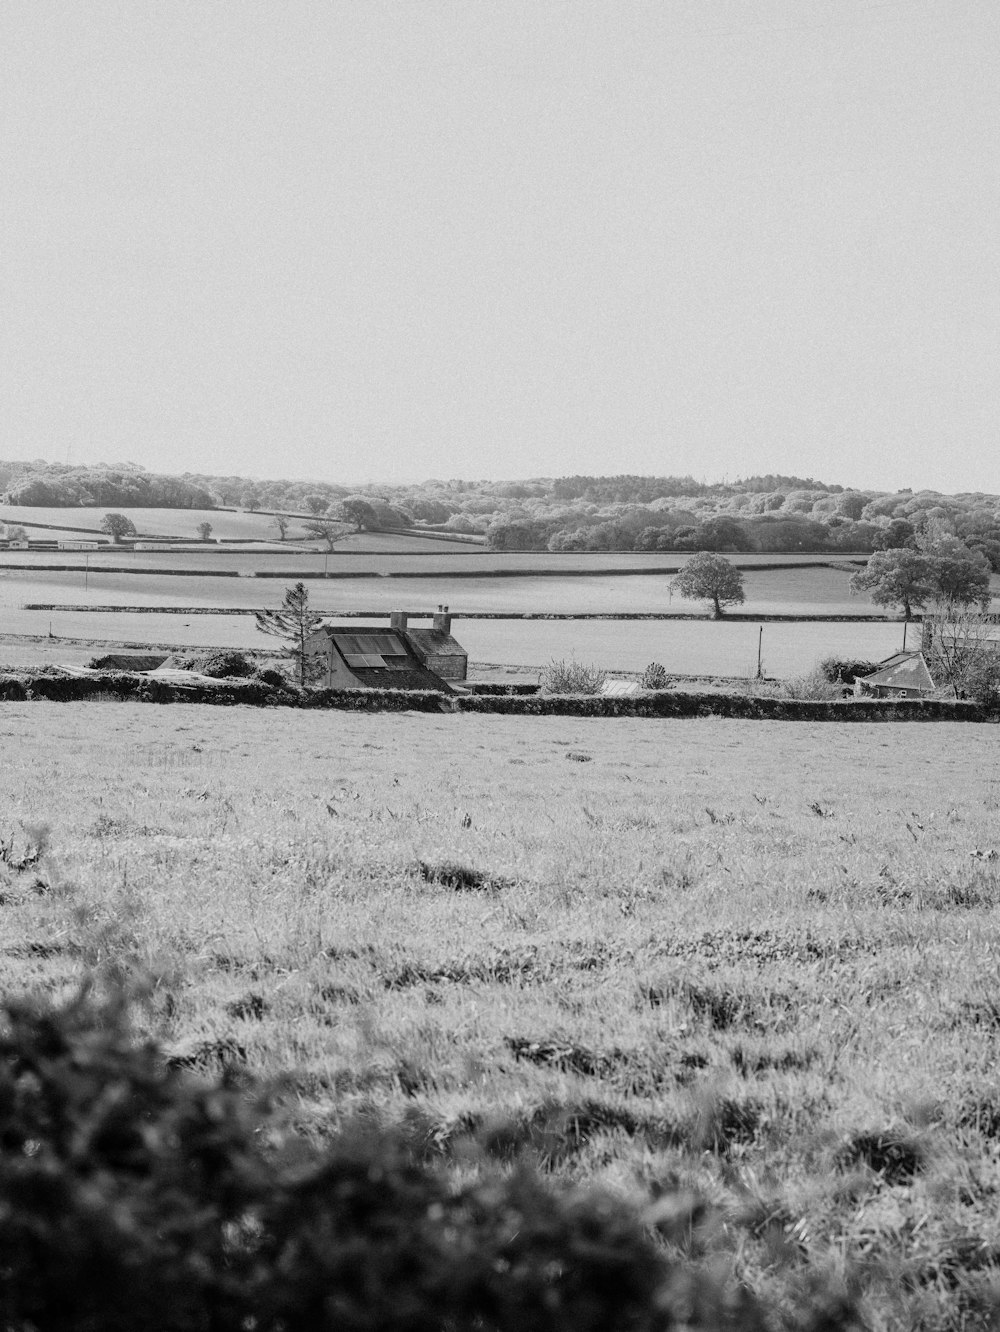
(738,961)
(683,645)
(154,522)
(162,523)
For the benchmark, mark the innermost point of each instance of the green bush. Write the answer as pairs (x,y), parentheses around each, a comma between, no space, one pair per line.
(814,685)
(655,676)
(839,670)
(136,1197)
(571,677)
(221,665)
(269,676)
(981,680)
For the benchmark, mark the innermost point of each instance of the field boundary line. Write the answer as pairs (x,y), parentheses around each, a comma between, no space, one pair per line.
(380,614)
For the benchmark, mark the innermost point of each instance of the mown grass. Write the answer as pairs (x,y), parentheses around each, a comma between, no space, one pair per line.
(748,963)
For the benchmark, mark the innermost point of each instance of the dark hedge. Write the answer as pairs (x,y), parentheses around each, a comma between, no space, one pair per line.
(515,690)
(258,693)
(673,704)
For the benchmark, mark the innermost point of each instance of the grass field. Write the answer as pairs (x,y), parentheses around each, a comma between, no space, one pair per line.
(152,522)
(685,646)
(73,523)
(751,962)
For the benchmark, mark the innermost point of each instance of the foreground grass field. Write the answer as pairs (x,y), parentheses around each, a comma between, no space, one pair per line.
(746,967)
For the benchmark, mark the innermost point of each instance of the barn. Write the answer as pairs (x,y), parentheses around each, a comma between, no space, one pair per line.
(904,675)
(399,657)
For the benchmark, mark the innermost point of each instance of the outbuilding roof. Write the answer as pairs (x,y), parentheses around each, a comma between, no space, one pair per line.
(906,670)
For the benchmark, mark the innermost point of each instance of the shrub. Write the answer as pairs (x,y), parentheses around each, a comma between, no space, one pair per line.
(135,1195)
(221,665)
(981,681)
(840,671)
(571,677)
(813,685)
(269,676)
(655,676)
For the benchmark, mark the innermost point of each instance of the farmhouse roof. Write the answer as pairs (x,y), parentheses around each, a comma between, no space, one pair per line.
(390,677)
(432,642)
(382,659)
(905,670)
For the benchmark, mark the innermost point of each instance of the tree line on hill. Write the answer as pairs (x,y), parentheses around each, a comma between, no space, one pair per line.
(771,513)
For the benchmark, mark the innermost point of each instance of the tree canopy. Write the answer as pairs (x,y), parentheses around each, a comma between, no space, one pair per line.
(944,572)
(710,578)
(900,577)
(117,526)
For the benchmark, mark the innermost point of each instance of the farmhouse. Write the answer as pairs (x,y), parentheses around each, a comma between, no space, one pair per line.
(904,675)
(398,658)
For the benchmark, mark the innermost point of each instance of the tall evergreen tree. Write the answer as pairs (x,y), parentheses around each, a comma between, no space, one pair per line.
(293,622)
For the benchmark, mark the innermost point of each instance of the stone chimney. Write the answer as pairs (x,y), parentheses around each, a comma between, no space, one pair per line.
(442,621)
(397,620)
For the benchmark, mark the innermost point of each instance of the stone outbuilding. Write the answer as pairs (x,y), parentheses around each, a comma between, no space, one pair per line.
(399,657)
(904,675)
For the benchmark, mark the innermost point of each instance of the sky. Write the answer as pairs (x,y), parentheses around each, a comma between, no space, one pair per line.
(361,240)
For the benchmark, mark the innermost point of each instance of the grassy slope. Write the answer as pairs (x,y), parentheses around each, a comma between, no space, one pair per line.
(729,948)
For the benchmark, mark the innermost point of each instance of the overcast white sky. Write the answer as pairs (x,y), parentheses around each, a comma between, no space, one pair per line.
(361,239)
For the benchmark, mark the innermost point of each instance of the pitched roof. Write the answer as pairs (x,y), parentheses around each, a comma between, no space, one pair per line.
(906,670)
(432,642)
(382,658)
(389,677)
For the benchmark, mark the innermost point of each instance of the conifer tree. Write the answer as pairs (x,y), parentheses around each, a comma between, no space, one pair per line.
(294,622)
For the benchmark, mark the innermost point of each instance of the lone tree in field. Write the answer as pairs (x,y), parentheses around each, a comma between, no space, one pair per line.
(204,530)
(281,523)
(900,577)
(117,526)
(293,622)
(711,578)
(327,530)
